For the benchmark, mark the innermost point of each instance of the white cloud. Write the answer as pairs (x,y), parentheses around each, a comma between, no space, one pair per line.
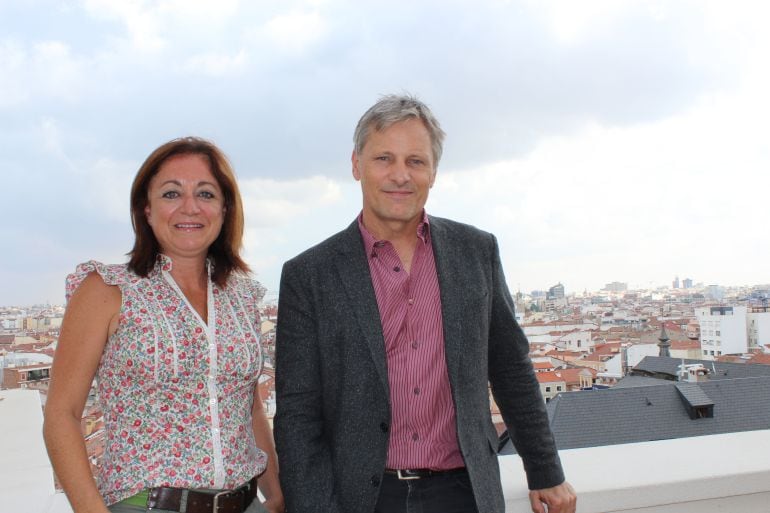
(572,21)
(140,18)
(274,203)
(296,31)
(106,188)
(41,70)
(56,72)
(216,64)
(683,195)
(12,59)
(609,141)
(153,26)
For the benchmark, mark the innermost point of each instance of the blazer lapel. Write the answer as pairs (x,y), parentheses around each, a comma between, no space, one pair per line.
(448,269)
(353,270)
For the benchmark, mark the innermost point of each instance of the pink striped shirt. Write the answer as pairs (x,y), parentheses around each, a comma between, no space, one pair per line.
(422,432)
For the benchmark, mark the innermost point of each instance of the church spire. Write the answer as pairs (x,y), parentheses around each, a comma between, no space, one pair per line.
(664,343)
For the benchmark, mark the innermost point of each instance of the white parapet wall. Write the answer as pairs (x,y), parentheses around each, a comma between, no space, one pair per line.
(726,473)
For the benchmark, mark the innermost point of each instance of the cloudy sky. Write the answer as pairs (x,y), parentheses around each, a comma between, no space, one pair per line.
(600,141)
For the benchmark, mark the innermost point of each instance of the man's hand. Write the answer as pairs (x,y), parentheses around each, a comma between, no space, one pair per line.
(559,499)
(274,505)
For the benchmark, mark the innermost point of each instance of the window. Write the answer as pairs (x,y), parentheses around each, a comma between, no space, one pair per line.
(718,333)
(547,389)
(558,388)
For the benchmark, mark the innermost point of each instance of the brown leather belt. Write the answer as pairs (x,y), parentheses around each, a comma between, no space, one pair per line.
(199,501)
(420,473)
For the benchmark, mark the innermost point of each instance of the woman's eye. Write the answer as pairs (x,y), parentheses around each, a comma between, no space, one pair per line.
(170,194)
(206,195)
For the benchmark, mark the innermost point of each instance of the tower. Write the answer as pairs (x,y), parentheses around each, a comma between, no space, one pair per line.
(664,343)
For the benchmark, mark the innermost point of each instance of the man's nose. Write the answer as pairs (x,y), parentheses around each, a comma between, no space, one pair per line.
(400,173)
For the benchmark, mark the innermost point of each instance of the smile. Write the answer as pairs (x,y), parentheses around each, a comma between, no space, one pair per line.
(188,226)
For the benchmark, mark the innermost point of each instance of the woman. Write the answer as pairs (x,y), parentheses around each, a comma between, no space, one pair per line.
(173,340)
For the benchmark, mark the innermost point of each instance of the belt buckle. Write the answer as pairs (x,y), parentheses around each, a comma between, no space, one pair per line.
(215,507)
(405,477)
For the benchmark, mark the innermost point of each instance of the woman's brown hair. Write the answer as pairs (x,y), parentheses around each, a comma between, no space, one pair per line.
(225,251)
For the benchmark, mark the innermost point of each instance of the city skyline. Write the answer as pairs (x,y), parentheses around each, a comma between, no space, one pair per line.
(600,142)
(271,296)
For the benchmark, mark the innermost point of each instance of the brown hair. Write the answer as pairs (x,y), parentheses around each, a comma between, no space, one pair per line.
(225,251)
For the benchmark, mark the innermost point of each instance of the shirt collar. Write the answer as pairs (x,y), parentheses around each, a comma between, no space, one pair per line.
(370,242)
(165,263)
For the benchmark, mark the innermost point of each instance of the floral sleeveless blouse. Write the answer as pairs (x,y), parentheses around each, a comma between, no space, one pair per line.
(176,392)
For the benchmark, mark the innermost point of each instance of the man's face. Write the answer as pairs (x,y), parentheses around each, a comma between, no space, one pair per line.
(396,171)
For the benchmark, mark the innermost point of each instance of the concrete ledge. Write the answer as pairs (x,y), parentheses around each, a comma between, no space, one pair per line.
(719,473)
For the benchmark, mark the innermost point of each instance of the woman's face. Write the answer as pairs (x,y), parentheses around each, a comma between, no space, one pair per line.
(185,206)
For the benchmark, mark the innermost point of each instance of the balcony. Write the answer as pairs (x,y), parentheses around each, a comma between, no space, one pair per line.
(725,473)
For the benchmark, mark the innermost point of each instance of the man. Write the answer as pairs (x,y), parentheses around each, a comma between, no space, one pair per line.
(389,333)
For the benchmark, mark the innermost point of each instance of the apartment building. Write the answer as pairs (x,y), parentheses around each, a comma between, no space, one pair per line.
(723,330)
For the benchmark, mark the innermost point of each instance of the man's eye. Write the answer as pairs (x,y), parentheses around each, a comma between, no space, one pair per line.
(382,157)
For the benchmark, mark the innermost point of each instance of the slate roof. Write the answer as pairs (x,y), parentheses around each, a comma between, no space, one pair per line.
(664,367)
(638,381)
(657,412)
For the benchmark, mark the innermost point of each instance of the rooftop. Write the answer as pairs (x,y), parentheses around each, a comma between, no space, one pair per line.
(723,473)
(658,412)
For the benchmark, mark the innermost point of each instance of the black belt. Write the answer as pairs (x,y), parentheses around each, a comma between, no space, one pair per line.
(420,473)
(200,501)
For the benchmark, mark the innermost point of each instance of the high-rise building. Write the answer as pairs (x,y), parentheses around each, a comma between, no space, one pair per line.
(556,292)
(675,284)
(687,283)
(715,292)
(616,286)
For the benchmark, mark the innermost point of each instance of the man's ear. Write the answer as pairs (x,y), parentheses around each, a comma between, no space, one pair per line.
(355,162)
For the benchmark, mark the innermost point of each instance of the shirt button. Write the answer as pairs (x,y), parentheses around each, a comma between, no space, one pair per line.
(384,427)
(415,436)
(397,268)
(415,345)
(416,390)
(410,301)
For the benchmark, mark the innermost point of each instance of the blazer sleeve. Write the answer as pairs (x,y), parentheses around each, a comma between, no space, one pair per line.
(303,452)
(515,388)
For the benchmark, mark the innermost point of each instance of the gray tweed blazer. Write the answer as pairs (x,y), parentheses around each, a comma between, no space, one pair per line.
(333,415)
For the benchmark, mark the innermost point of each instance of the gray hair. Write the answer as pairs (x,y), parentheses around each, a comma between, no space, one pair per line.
(393,108)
